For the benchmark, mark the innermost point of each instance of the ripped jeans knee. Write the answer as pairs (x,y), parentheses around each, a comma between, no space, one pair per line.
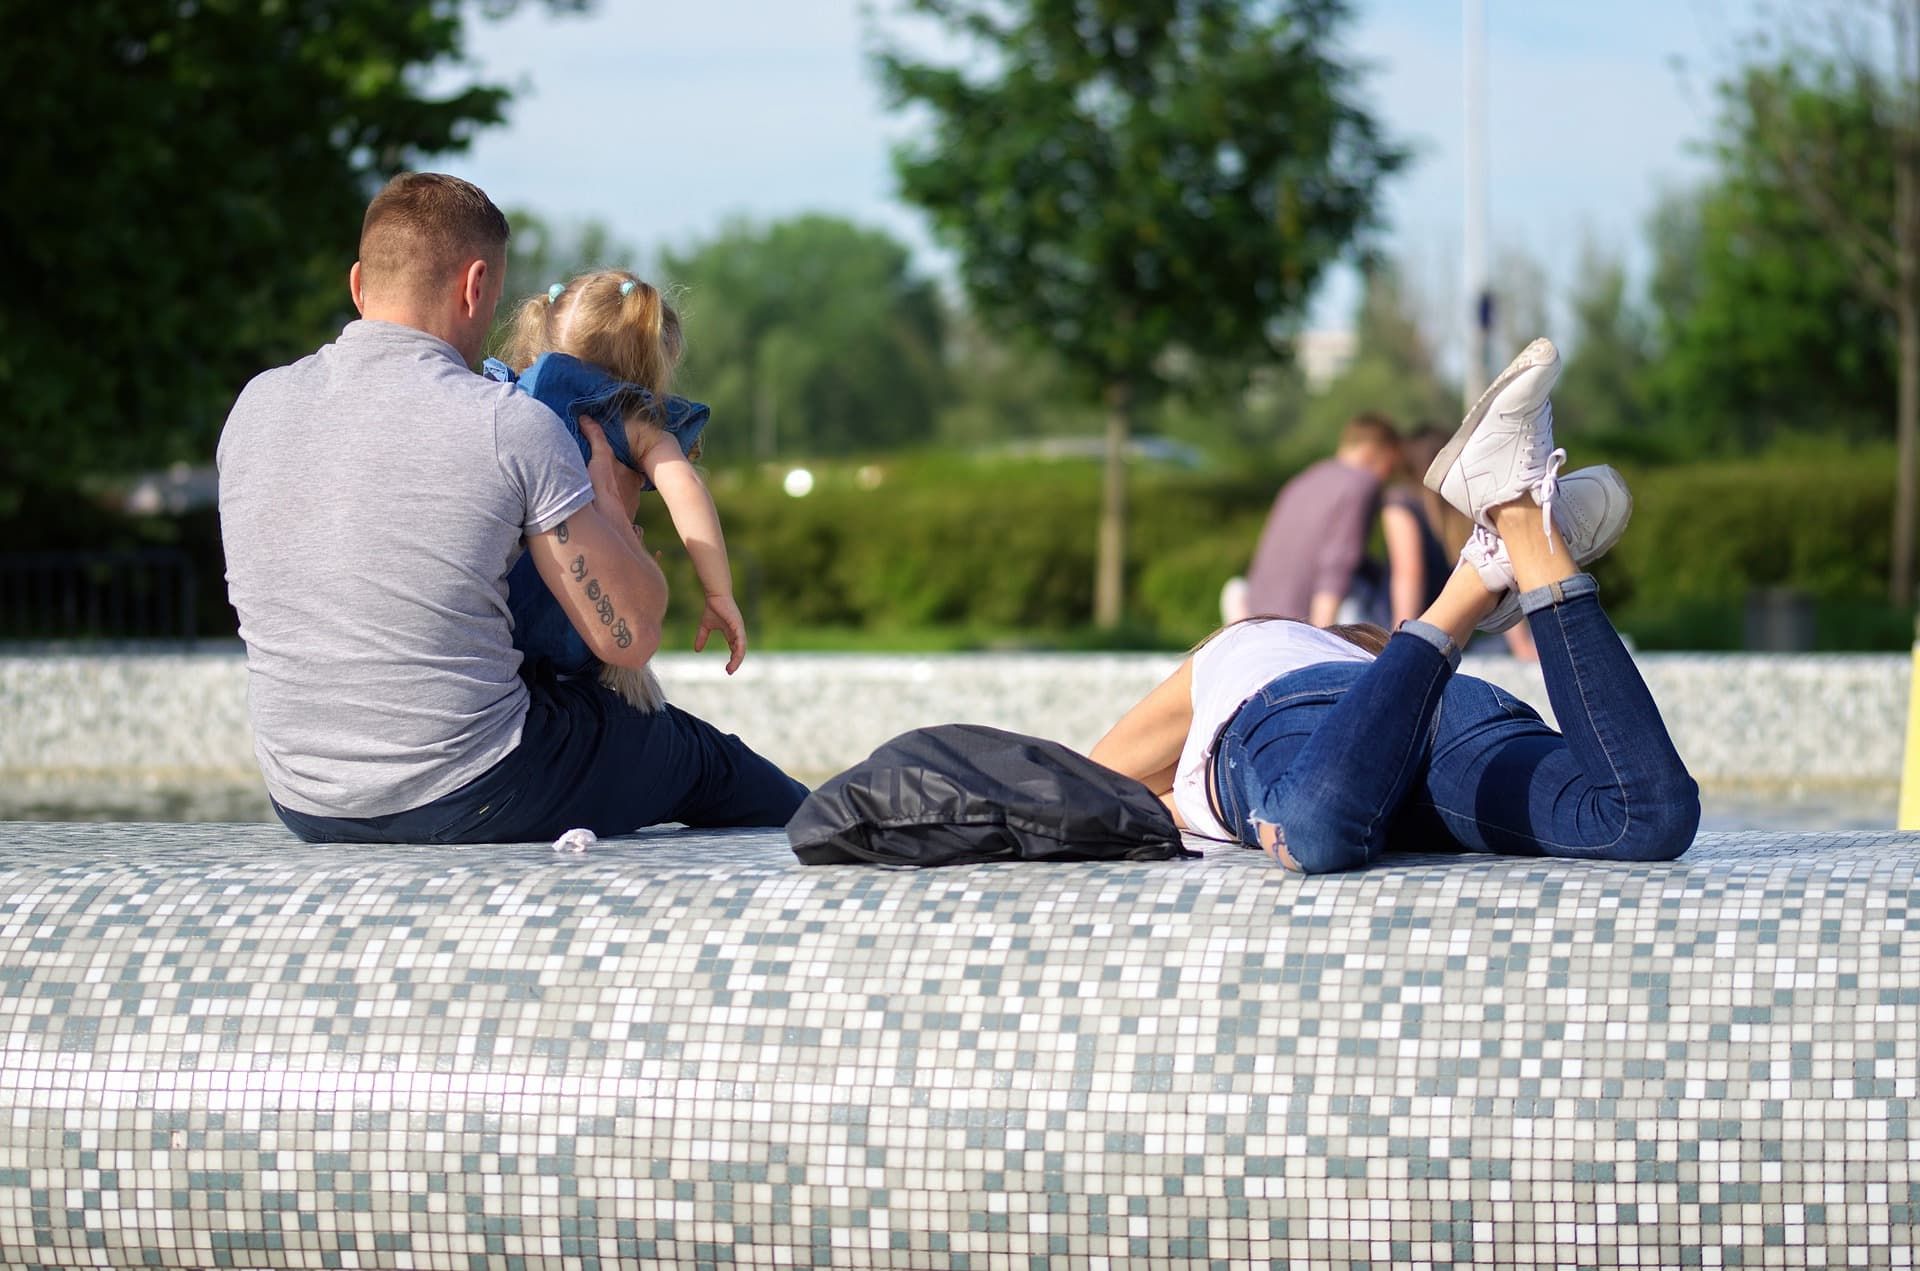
(1306,840)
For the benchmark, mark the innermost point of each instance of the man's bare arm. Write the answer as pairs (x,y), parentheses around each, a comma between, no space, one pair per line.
(597,567)
(614,595)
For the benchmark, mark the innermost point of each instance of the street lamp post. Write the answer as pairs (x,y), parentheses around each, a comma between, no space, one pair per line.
(1479,296)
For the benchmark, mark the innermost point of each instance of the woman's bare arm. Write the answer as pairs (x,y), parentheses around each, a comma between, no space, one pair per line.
(1406,563)
(1146,743)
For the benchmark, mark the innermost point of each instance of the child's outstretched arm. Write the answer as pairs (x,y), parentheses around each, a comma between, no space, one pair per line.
(697,522)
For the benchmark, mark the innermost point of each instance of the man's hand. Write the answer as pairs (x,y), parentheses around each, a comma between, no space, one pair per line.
(723,615)
(615,485)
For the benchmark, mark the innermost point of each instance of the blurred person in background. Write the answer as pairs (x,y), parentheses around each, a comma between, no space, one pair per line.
(1411,517)
(1312,552)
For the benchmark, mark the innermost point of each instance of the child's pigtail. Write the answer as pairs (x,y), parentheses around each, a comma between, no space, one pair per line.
(527,336)
(652,342)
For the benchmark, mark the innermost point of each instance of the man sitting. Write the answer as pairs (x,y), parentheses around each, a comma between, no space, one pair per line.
(372,498)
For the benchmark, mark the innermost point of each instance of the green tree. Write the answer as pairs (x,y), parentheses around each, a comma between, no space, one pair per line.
(1821,132)
(183,187)
(1128,179)
(1603,391)
(1006,389)
(542,253)
(1764,326)
(810,335)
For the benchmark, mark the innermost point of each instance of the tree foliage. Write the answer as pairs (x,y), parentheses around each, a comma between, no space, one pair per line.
(1124,179)
(1393,371)
(808,336)
(183,191)
(1604,390)
(1764,323)
(1142,175)
(542,253)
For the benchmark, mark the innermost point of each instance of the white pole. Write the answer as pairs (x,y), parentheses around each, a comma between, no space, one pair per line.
(1479,301)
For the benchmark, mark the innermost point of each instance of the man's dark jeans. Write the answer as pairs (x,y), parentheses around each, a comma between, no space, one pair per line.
(586,759)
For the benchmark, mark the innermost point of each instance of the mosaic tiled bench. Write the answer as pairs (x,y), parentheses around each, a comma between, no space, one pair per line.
(1837,719)
(222,1048)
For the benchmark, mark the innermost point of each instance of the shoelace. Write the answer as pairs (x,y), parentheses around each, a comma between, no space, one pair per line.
(1545,488)
(1547,464)
(1483,547)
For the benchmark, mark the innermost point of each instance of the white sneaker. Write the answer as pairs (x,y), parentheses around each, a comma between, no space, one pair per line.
(1504,447)
(1592,513)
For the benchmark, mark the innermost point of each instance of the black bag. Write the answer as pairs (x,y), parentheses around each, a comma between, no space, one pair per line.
(958,794)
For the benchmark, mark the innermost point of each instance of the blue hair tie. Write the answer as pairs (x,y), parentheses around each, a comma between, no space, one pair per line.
(626,286)
(553,292)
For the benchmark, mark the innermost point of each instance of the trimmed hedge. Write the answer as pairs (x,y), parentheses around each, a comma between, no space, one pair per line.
(992,551)
(975,546)
(1821,523)
(948,542)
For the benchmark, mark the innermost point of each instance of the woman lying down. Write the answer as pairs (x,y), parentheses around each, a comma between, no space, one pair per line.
(1326,748)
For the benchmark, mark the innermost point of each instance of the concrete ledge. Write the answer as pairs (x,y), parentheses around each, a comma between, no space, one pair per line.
(218,1047)
(1743,719)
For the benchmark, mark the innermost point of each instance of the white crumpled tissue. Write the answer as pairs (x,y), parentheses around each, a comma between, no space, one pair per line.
(575,841)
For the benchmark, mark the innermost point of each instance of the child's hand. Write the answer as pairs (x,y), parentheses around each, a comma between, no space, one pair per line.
(722,615)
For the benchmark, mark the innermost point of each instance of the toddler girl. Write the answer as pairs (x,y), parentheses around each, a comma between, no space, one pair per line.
(605,345)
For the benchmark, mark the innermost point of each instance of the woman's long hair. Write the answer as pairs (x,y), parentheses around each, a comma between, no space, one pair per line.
(1362,635)
(1417,453)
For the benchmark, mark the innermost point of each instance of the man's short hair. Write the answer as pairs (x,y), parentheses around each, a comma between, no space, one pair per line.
(1369,429)
(424,227)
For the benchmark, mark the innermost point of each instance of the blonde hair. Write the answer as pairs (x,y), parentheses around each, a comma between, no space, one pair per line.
(610,318)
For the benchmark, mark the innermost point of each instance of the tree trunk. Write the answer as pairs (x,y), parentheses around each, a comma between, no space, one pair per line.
(1109,578)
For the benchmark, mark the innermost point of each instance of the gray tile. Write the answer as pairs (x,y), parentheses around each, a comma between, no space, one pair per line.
(222,1048)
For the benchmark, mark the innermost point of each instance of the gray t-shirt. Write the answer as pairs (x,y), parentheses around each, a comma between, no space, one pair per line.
(372,499)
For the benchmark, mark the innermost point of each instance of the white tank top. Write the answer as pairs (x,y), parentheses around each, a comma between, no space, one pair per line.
(1228,670)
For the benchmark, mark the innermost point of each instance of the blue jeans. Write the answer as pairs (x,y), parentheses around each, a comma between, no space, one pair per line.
(1348,760)
(586,759)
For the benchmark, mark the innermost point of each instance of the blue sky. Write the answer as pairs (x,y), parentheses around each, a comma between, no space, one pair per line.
(664,120)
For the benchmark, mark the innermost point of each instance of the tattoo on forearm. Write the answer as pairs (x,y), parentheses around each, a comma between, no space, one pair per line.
(602,602)
(560,532)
